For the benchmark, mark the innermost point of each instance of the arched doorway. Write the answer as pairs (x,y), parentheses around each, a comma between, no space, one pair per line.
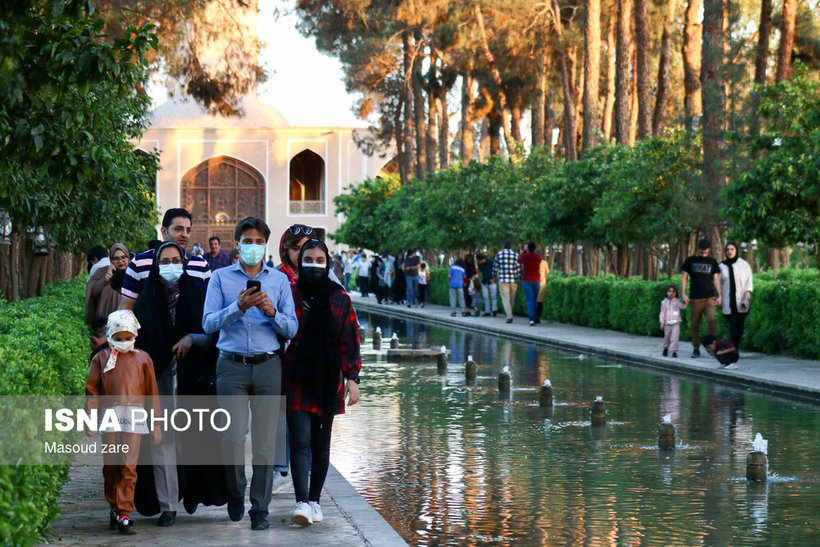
(307,184)
(218,193)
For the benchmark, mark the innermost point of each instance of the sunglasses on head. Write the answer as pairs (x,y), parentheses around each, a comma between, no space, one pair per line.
(297,229)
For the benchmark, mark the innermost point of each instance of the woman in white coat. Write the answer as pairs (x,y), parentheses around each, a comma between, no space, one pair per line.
(736,288)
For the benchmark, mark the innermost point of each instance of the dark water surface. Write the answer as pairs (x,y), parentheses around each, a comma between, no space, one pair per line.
(450,464)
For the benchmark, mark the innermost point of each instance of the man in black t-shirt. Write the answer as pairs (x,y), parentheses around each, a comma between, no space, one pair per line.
(704,292)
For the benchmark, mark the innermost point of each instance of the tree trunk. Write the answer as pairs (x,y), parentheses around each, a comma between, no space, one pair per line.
(430,144)
(407,137)
(772,260)
(398,134)
(515,124)
(502,98)
(443,130)
(762,59)
(784,52)
(467,129)
(633,99)
(570,146)
(644,90)
(713,98)
(611,69)
(539,106)
(494,131)
(549,119)
(692,32)
(566,258)
(662,97)
(623,78)
(592,72)
(623,260)
(418,108)
(484,144)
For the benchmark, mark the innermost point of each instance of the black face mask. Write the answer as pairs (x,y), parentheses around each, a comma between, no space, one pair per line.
(116,279)
(312,275)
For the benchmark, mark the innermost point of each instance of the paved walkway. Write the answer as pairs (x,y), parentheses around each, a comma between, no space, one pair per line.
(794,378)
(348,520)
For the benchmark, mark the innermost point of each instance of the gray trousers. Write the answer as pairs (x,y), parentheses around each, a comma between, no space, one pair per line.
(235,384)
(164,455)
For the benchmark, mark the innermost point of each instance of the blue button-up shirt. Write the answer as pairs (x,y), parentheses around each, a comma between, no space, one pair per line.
(251,332)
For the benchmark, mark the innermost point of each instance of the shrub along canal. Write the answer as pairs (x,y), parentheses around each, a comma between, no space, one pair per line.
(449,463)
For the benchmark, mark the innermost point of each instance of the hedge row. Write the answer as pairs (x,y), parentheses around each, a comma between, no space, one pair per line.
(783,319)
(43,351)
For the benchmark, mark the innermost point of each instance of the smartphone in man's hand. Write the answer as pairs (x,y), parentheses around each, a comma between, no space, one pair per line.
(254,283)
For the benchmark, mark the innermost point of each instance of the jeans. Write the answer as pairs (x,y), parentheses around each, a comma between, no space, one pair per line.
(347,282)
(489,292)
(309,435)
(531,289)
(697,308)
(457,297)
(364,285)
(412,289)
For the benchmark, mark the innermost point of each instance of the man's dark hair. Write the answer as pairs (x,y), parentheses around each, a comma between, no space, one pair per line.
(154,243)
(704,244)
(214,238)
(176,212)
(531,246)
(508,243)
(251,223)
(97,251)
(708,339)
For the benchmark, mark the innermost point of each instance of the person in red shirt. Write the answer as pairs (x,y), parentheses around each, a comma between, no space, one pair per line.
(531,278)
(321,369)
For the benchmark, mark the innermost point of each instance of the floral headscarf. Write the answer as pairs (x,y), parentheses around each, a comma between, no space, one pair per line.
(119,321)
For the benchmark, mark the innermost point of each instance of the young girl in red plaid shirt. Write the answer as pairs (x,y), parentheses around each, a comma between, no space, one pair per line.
(321,368)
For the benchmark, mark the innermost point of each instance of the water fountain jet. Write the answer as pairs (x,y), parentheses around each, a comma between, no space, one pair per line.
(545,395)
(666,433)
(757,465)
(505,380)
(598,413)
(441,361)
(394,341)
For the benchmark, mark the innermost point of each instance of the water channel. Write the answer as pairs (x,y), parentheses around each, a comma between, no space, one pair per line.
(451,464)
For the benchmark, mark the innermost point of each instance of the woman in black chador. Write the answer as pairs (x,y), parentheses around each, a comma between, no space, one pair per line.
(169,310)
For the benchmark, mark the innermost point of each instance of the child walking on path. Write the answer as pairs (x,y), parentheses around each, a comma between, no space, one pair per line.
(128,374)
(670,320)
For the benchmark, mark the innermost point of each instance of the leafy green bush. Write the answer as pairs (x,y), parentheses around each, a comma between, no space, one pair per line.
(43,351)
(783,317)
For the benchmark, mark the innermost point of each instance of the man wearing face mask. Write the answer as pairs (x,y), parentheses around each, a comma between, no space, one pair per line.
(248,320)
(176,226)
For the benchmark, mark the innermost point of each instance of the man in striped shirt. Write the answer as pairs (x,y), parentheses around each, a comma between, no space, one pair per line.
(176,226)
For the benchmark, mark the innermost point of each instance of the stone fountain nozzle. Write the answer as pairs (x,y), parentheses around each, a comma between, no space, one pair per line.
(666,433)
(545,395)
(598,413)
(470,368)
(394,341)
(441,361)
(757,464)
(377,338)
(505,380)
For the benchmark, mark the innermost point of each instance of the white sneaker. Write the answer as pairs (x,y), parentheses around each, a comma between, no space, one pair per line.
(317,511)
(733,366)
(302,514)
(280,482)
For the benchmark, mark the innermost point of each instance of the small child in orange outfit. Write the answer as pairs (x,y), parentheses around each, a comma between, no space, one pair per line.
(127,373)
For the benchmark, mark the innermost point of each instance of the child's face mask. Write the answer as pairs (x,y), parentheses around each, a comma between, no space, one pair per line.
(122,347)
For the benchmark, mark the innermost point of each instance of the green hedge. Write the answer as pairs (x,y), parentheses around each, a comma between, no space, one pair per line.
(43,351)
(783,319)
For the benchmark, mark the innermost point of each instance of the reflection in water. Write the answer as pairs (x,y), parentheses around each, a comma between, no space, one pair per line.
(447,463)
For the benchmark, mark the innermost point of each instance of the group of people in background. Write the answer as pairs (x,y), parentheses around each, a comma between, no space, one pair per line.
(170,322)
(400,279)
(727,285)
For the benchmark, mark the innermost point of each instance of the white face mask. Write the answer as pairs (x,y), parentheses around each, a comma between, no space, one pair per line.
(122,347)
(170,272)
